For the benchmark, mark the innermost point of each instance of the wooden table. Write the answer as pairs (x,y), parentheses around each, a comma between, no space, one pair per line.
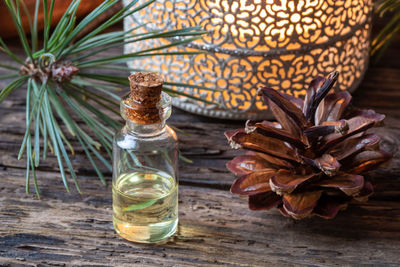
(216,228)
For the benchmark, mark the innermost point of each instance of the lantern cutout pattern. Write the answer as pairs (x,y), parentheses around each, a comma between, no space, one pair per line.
(276,43)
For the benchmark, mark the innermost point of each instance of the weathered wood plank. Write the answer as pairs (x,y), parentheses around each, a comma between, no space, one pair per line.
(216,228)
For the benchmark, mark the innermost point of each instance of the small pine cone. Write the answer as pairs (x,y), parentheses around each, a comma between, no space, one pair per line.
(62,72)
(310,162)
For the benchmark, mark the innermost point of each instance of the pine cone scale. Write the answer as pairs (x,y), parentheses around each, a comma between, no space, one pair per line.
(274,161)
(290,109)
(332,107)
(253,183)
(264,201)
(328,207)
(286,182)
(274,132)
(335,139)
(319,95)
(353,146)
(301,205)
(365,192)
(283,119)
(260,143)
(368,160)
(328,165)
(314,86)
(350,184)
(246,164)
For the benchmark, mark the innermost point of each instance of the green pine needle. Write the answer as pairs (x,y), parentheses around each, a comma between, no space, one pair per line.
(78,89)
(380,43)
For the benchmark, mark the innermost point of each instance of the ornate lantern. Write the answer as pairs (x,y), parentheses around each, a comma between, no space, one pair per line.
(279,43)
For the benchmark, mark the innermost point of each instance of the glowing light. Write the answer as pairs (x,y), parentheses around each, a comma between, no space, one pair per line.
(295,18)
(282,44)
(230,18)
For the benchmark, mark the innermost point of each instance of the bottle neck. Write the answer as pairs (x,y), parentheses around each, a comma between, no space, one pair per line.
(142,126)
(145,130)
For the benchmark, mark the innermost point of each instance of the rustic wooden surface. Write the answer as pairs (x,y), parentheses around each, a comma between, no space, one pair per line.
(216,228)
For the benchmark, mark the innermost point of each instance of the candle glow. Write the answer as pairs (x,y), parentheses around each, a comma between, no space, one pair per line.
(279,43)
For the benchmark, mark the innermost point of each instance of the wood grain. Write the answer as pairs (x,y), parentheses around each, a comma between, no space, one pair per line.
(216,228)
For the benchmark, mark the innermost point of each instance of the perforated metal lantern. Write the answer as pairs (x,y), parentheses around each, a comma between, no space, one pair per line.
(278,43)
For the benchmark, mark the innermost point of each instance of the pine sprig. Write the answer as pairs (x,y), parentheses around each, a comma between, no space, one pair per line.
(390,30)
(63,80)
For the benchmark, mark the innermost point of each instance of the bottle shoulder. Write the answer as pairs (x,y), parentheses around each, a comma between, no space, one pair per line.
(125,139)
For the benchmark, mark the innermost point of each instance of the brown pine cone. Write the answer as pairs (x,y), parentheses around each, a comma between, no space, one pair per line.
(310,162)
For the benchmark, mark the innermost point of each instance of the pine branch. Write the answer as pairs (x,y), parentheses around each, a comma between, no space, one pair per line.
(62,80)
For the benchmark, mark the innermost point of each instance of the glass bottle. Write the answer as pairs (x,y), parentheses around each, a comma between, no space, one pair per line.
(145,177)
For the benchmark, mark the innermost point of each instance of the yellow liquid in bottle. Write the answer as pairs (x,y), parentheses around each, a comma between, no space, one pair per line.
(145,206)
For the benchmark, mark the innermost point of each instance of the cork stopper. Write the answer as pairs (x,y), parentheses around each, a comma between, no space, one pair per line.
(146,88)
(145,94)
